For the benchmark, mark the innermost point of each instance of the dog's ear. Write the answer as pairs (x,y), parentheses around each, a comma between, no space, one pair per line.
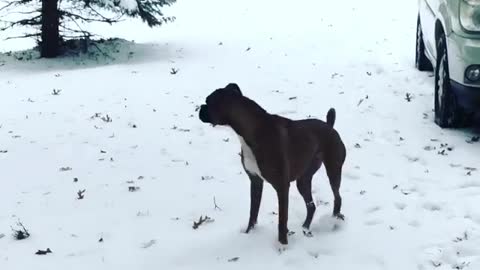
(234,87)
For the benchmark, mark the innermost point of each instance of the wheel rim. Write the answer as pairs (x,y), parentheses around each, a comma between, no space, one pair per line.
(444,96)
(441,82)
(419,40)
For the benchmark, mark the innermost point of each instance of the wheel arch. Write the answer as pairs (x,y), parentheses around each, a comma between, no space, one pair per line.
(439,30)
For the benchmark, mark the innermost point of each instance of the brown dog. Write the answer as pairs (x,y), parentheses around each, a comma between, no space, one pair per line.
(279,150)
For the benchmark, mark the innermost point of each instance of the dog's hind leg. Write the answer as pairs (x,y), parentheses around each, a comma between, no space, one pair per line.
(304,185)
(334,173)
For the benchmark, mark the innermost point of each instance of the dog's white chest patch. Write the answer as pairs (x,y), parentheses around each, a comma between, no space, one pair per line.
(249,160)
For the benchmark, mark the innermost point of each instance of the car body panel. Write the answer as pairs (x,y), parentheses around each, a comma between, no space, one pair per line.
(462,52)
(427,19)
(467,96)
(463,47)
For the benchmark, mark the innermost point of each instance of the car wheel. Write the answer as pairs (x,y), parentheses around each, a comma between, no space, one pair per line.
(448,113)
(421,61)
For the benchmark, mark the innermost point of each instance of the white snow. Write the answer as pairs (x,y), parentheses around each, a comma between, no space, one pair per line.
(406,205)
(130,5)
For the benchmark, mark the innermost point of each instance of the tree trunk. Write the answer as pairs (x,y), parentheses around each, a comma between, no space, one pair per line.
(50,43)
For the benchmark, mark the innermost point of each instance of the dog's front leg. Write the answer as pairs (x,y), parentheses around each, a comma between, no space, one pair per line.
(256,189)
(282,194)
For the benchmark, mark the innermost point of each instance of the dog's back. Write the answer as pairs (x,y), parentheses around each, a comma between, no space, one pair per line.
(311,141)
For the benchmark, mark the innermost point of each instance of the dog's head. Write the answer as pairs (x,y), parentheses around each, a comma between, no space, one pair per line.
(217,105)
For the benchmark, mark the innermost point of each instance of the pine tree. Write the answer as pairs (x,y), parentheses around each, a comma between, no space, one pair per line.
(55,21)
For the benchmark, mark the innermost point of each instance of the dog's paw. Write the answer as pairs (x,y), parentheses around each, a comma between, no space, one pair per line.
(340,216)
(307,233)
(281,248)
(249,228)
(283,240)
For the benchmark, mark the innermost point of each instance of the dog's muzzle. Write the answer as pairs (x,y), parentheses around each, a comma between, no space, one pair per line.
(203,114)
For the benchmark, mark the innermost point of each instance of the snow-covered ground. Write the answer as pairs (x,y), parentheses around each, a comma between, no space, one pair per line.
(411,190)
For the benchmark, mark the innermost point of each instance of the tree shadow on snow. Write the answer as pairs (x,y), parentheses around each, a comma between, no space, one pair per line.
(78,54)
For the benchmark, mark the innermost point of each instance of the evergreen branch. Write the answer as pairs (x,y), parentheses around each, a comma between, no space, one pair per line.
(107,20)
(149,11)
(64,13)
(85,33)
(32,21)
(26,12)
(71,30)
(73,36)
(13,4)
(24,36)
(9,5)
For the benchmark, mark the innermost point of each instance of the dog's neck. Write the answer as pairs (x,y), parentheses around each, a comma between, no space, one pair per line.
(246,116)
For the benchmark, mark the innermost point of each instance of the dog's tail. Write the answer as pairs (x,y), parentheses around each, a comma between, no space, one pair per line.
(331,117)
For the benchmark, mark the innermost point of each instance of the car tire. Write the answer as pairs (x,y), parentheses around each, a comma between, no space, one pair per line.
(421,61)
(448,113)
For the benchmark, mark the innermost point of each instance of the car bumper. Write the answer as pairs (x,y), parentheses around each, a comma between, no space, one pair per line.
(467,96)
(462,53)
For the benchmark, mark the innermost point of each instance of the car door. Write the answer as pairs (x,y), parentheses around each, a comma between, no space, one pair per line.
(427,19)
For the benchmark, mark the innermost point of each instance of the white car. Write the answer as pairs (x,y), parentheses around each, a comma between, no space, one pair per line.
(448,41)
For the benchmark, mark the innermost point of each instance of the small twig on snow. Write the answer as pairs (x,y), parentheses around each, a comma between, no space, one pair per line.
(201,221)
(21,233)
(408,97)
(56,92)
(215,204)
(80,194)
(106,118)
(133,188)
(43,252)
